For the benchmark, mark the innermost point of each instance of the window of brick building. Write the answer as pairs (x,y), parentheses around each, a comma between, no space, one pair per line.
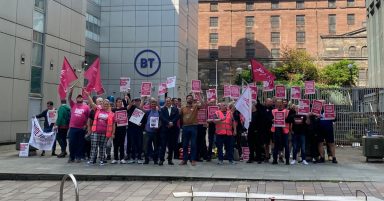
(213,37)
(213,21)
(275,22)
(275,37)
(331,3)
(214,7)
(352,52)
(300,37)
(300,4)
(275,53)
(350,3)
(332,23)
(250,37)
(363,74)
(364,51)
(250,53)
(351,19)
(275,4)
(249,6)
(300,20)
(249,21)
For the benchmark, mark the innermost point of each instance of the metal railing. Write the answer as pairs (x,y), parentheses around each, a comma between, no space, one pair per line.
(74,181)
(272,197)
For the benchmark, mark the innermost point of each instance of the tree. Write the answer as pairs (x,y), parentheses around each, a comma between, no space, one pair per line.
(245,75)
(339,73)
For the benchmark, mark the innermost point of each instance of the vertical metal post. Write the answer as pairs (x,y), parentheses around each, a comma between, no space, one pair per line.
(216,79)
(192,193)
(246,194)
(73,181)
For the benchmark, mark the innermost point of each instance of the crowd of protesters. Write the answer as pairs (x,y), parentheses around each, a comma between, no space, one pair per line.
(91,129)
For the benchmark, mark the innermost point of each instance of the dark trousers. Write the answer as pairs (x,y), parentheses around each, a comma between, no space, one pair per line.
(134,142)
(76,143)
(201,142)
(238,142)
(62,139)
(211,141)
(168,138)
(118,142)
(152,146)
(280,140)
(189,135)
(228,142)
(87,148)
(251,144)
(177,143)
(298,143)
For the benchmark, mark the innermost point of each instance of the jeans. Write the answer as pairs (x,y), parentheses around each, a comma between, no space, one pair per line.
(76,143)
(118,142)
(189,135)
(134,142)
(168,138)
(281,140)
(228,142)
(152,146)
(201,142)
(211,141)
(298,143)
(61,137)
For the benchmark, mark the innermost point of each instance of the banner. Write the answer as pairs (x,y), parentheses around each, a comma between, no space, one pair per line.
(162,89)
(137,116)
(279,120)
(171,82)
(202,116)
(235,92)
(51,116)
(310,87)
(280,92)
(211,112)
(196,85)
(329,112)
(304,106)
(121,117)
(125,84)
(295,93)
(154,122)
(227,91)
(211,94)
(268,85)
(244,106)
(317,106)
(40,139)
(254,92)
(24,150)
(146,89)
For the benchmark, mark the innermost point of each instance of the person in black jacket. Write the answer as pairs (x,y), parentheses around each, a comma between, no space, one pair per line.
(169,116)
(47,127)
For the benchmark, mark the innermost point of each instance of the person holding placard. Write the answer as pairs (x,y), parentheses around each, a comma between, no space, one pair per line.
(298,133)
(121,118)
(326,134)
(152,124)
(48,126)
(280,131)
(134,147)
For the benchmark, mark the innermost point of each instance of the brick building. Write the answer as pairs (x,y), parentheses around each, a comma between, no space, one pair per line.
(232,31)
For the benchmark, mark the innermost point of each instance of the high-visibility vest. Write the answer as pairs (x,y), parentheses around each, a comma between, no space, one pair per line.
(109,123)
(224,127)
(286,128)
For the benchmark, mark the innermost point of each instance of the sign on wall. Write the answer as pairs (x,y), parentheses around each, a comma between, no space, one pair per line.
(147,63)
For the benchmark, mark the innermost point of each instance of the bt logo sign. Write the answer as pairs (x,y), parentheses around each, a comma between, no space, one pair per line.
(147,63)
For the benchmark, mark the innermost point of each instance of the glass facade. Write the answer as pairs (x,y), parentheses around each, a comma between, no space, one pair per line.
(92,27)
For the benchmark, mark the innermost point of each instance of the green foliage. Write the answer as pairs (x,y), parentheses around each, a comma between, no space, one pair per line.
(245,75)
(340,74)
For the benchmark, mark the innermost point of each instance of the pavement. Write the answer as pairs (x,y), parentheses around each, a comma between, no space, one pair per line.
(351,168)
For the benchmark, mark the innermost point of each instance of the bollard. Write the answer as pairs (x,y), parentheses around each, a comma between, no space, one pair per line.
(65,177)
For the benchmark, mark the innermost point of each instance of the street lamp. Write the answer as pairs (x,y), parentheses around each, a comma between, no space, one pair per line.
(216,73)
(350,66)
(239,71)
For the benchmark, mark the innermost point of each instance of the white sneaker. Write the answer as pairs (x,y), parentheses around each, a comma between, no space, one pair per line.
(131,161)
(123,162)
(305,162)
(293,162)
(140,161)
(114,162)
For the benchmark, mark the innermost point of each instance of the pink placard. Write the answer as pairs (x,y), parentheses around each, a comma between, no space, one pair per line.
(254,92)
(268,85)
(211,94)
(280,91)
(235,92)
(295,93)
(329,112)
(162,88)
(146,89)
(245,153)
(202,116)
(121,118)
(196,85)
(304,106)
(310,87)
(211,112)
(227,91)
(317,106)
(279,119)
(197,96)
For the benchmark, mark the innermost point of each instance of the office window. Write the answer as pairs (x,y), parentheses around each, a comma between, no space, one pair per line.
(275,22)
(351,19)
(350,3)
(213,21)
(331,3)
(275,37)
(214,7)
(300,37)
(249,21)
(37,52)
(300,20)
(249,6)
(275,53)
(213,37)
(250,53)
(300,4)
(275,4)
(332,23)
(92,27)
(40,4)
(352,51)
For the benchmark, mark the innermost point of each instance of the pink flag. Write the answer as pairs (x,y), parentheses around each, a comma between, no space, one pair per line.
(94,78)
(260,73)
(67,75)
